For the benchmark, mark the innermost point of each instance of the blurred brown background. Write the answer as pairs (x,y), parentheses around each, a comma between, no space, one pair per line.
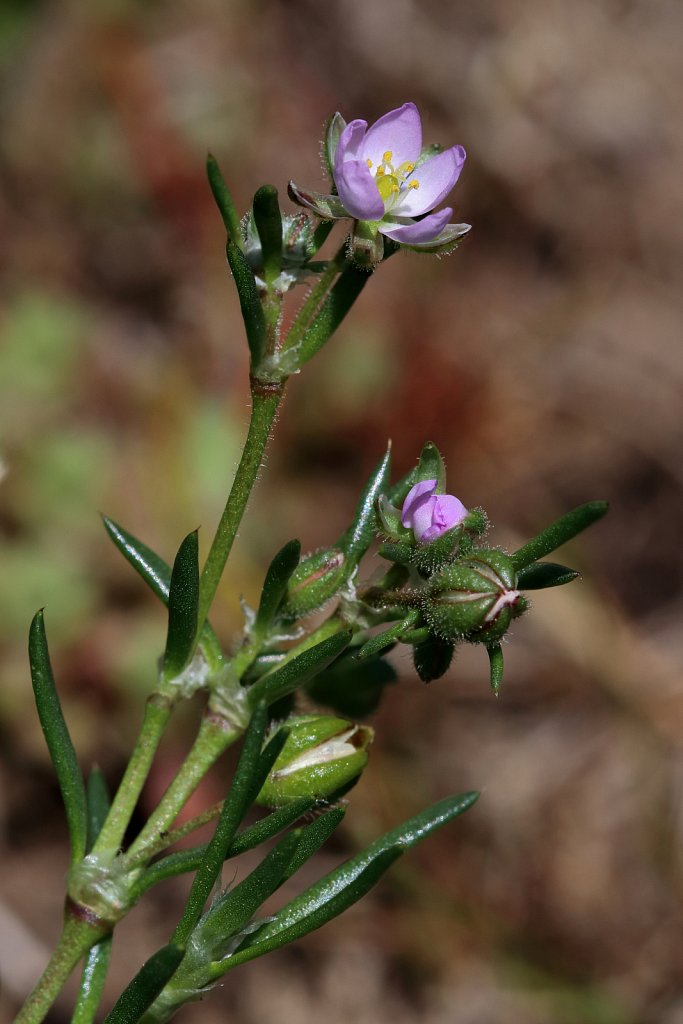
(543,357)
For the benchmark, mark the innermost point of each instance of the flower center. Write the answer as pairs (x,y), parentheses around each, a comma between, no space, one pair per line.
(393,181)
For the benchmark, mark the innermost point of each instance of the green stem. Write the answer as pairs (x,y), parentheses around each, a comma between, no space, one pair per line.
(76,939)
(175,835)
(157,714)
(314,298)
(215,735)
(266,399)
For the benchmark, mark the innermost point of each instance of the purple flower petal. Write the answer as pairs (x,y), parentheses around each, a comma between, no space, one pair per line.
(399,132)
(416,496)
(436,178)
(419,230)
(423,519)
(358,190)
(350,141)
(441,512)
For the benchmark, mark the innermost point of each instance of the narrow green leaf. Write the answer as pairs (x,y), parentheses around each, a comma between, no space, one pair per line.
(275,585)
(268,220)
(154,570)
(366,522)
(497,664)
(559,533)
(157,575)
(139,995)
(376,644)
(223,199)
(431,466)
(540,575)
(97,804)
(92,982)
(333,310)
(250,303)
(260,832)
(313,838)
(299,670)
(346,884)
(247,780)
(183,606)
(58,739)
(230,912)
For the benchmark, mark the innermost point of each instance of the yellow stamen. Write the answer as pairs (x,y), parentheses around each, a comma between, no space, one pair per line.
(406,168)
(380,172)
(388,156)
(413,184)
(369,162)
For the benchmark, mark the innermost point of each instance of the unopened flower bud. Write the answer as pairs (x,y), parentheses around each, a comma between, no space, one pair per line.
(429,514)
(297,248)
(475,598)
(322,754)
(316,579)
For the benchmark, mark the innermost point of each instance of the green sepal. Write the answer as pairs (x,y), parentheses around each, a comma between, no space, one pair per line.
(334,308)
(62,753)
(400,553)
(390,520)
(559,532)
(497,665)
(260,832)
(476,521)
(317,578)
(366,247)
(139,995)
(249,775)
(541,575)
(328,207)
(250,304)
(351,688)
(345,885)
(334,127)
(431,467)
(430,557)
(299,670)
(183,607)
(223,199)
(268,220)
(432,658)
(157,575)
(366,522)
(275,586)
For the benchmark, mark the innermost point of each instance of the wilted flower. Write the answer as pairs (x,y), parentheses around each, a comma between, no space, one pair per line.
(388,182)
(429,515)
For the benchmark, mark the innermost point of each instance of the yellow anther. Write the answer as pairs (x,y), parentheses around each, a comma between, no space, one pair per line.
(380,172)
(388,156)
(406,169)
(413,184)
(369,162)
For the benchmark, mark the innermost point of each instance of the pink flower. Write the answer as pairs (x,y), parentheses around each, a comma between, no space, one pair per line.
(387,182)
(430,515)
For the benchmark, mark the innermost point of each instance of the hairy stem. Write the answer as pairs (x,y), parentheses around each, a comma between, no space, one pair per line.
(157,713)
(76,939)
(265,402)
(215,735)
